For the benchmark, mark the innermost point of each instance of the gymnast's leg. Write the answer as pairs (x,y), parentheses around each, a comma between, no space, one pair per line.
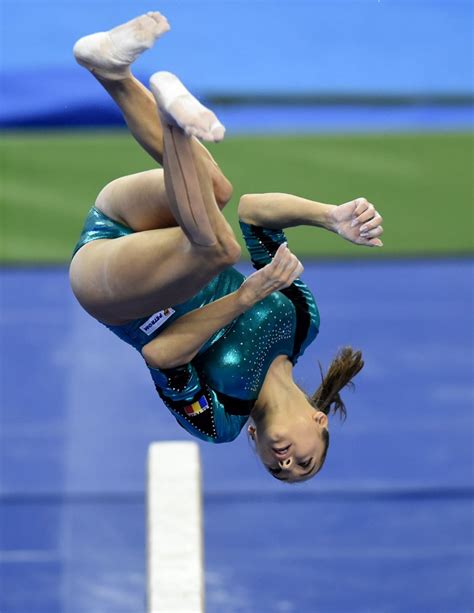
(108,56)
(130,277)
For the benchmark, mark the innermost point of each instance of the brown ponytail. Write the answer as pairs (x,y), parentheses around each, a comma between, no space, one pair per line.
(327,398)
(342,370)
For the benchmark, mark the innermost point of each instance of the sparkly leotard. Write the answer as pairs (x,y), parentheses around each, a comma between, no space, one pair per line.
(213,395)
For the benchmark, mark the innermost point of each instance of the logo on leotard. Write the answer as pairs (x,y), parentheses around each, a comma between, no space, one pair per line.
(155,321)
(197,407)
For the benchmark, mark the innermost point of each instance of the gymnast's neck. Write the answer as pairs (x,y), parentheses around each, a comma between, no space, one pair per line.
(278,389)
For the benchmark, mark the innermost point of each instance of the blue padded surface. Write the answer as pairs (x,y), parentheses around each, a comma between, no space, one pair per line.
(385,527)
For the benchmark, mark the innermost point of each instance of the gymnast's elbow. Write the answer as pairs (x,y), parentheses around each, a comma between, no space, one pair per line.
(159,355)
(248,204)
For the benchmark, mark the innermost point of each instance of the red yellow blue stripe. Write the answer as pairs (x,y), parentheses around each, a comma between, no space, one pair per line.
(197,407)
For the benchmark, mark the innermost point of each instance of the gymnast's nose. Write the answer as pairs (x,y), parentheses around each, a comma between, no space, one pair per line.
(286,463)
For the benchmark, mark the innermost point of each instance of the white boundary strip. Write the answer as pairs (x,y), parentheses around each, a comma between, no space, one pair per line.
(175,569)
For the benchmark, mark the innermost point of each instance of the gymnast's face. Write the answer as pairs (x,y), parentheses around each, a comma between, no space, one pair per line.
(291,445)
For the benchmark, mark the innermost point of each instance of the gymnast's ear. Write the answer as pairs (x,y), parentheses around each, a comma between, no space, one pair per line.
(321,419)
(251,432)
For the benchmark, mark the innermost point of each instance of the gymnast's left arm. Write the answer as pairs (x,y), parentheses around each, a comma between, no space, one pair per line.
(356,221)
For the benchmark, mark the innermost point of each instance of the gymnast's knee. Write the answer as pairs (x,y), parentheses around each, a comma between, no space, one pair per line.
(108,200)
(223,188)
(232,251)
(225,251)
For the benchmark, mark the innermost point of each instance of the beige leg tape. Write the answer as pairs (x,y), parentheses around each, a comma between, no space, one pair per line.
(185,193)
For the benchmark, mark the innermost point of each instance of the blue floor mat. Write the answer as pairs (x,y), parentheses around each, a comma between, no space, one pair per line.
(387,526)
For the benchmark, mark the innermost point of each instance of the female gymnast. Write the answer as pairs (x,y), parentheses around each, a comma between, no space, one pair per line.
(154,263)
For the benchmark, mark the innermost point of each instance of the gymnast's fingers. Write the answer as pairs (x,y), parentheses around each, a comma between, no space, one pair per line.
(367,215)
(279,255)
(375,242)
(291,264)
(361,205)
(278,274)
(298,271)
(373,223)
(281,260)
(372,233)
(293,272)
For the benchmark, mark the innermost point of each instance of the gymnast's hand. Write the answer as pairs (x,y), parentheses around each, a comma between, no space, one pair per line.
(358,222)
(280,273)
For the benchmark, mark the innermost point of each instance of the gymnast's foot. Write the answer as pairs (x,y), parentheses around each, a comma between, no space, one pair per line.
(178,107)
(109,54)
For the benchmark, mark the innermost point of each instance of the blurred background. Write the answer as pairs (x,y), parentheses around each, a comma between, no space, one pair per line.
(328,99)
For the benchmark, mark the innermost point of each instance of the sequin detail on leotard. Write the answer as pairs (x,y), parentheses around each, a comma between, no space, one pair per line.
(233,368)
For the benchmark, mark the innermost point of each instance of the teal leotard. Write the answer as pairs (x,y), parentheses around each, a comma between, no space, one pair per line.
(212,396)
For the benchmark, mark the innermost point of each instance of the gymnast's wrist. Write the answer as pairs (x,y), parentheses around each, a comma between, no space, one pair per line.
(329,220)
(245,297)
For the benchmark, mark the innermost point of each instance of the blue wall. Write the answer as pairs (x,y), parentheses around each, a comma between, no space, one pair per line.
(244,46)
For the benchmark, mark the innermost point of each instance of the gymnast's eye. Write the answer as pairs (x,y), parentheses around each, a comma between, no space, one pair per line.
(306,464)
(274,471)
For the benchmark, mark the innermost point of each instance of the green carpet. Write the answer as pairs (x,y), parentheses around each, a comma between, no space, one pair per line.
(421,183)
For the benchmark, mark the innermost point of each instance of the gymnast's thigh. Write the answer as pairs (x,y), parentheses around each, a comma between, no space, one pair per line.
(117,280)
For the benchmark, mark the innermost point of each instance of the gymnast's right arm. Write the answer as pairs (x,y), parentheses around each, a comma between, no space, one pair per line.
(181,341)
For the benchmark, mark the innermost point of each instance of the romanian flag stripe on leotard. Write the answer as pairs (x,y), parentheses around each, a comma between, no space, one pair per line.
(197,407)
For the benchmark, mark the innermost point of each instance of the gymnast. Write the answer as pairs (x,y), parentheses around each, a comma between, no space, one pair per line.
(154,263)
